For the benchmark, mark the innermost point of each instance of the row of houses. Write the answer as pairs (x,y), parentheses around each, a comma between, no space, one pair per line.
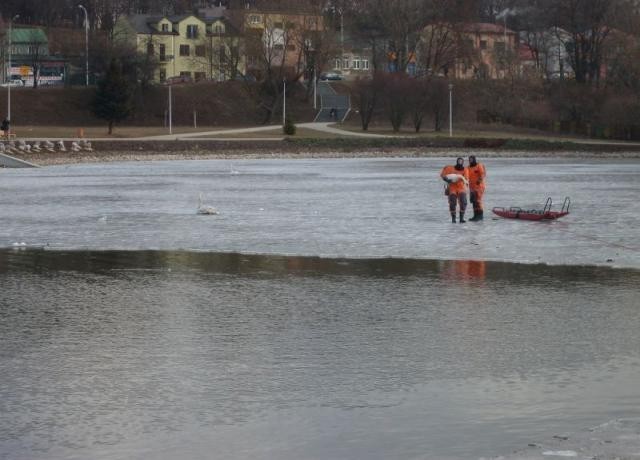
(228,43)
(224,43)
(231,44)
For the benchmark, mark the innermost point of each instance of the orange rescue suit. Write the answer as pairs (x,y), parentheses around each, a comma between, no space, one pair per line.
(476,176)
(456,187)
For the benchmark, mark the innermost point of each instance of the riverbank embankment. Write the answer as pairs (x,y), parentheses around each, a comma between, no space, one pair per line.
(290,148)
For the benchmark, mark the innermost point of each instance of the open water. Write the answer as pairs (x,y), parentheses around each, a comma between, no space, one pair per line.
(331,310)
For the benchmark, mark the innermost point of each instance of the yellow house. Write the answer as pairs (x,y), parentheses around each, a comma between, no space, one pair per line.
(186,46)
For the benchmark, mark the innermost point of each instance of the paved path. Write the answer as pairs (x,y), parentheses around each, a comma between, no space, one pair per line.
(323,127)
(326,127)
(219,134)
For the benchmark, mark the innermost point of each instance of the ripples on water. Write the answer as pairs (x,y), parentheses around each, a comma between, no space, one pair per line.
(199,355)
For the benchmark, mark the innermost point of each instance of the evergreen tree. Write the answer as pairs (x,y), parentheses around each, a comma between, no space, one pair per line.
(113,99)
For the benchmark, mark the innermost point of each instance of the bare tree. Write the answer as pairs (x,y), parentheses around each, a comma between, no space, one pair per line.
(587,24)
(369,92)
(36,47)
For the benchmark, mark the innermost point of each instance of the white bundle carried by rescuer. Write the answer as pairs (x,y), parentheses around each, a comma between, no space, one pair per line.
(453,178)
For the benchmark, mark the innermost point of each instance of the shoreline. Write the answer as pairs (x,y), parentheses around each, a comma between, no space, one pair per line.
(137,155)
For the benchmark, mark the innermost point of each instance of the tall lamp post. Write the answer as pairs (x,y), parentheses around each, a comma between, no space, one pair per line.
(315,88)
(86,44)
(284,101)
(341,38)
(10,67)
(170,110)
(450,109)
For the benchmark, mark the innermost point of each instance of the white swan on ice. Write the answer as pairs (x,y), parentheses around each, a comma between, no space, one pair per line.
(204,209)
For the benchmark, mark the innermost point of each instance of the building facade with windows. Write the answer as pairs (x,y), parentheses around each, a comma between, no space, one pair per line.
(30,58)
(194,48)
(490,51)
(277,37)
(354,59)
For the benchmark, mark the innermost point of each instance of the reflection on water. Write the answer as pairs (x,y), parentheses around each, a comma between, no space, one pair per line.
(165,354)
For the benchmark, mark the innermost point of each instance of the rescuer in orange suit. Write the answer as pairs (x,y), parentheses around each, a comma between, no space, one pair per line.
(477,174)
(456,191)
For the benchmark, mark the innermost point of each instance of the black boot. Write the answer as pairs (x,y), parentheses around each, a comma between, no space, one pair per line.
(475,216)
(480,215)
(462,221)
(453,217)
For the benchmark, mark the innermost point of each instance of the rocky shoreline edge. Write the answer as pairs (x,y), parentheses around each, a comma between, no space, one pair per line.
(292,148)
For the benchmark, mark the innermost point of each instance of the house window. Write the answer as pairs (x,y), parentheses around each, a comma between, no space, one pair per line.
(255,19)
(165,27)
(277,25)
(185,74)
(184,50)
(365,64)
(163,56)
(336,64)
(499,47)
(192,31)
(150,49)
(356,62)
(200,51)
(345,62)
(163,75)
(252,60)
(200,76)
(218,29)
(312,23)
(483,44)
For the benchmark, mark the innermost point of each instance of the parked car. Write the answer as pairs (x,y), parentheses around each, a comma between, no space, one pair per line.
(12,83)
(331,76)
(248,77)
(178,79)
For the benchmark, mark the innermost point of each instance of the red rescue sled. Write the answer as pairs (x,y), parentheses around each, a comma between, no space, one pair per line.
(534,214)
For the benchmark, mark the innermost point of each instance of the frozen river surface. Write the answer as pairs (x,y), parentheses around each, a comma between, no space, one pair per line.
(349,208)
(146,331)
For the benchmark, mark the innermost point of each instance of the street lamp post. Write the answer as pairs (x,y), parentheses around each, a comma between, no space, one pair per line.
(86,44)
(170,110)
(10,66)
(315,88)
(284,101)
(219,52)
(341,38)
(450,109)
